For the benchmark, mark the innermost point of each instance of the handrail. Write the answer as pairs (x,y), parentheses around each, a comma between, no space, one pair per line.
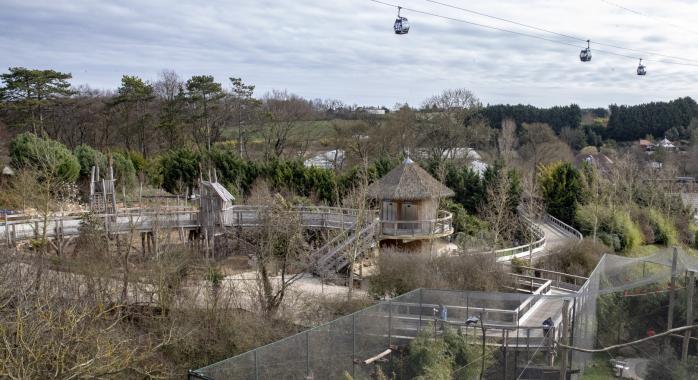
(563,225)
(441,225)
(538,234)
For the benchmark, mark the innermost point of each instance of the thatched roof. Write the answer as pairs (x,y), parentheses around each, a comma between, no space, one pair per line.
(408,182)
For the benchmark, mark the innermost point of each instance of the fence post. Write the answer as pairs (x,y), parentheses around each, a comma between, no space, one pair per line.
(353,345)
(256,366)
(419,329)
(390,322)
(307,354)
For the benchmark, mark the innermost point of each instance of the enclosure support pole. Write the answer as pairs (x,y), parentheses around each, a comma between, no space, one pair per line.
(256,366)
(420,311)
(307,354)
(564,327)
(672,294)
(353,345)
(390,323)
(689,315)
(506,357)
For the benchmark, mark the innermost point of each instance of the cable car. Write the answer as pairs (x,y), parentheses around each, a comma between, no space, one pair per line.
(641,69)
(585,54)
(401,25)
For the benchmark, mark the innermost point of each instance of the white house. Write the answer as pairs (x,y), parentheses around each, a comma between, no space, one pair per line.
(326,160)
(666,144)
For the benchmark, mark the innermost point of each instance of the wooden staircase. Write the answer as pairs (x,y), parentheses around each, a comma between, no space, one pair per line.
(336,254)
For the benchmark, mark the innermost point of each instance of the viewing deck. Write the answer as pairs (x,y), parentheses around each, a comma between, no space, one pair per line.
(417,229)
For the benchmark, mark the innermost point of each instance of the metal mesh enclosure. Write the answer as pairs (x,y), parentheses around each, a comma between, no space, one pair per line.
(510,325)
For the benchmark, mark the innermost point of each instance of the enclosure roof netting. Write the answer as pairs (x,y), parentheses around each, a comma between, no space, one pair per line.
(408,182)
(221,191)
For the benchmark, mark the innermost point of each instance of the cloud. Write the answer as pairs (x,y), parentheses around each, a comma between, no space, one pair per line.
(346,49)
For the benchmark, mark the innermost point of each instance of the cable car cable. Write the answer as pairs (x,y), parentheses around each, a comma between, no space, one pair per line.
(645,52)
(657,19)
(529,35)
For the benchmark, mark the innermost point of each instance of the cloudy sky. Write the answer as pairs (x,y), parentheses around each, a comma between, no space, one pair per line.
(345,49)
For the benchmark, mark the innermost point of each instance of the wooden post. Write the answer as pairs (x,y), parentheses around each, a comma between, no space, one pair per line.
(7,231)
(506,357)
(672,294)
(689,315)
(563,339)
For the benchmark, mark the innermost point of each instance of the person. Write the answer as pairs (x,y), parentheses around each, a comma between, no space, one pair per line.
(650,331)
(547,325)
(443,312)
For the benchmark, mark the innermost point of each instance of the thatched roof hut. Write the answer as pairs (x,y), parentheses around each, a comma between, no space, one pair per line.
(408,182)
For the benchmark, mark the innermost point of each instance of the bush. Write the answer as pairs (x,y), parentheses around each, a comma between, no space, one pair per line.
(399,273)
(44,155)
(664,230)
(563,190)
(627,230)
(180,170)
(578,258)
(124,171)
(618,230)
(462,220)
(89,157)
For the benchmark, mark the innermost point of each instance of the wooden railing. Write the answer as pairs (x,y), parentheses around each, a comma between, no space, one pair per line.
(443,225)
(562,225)
(559,280)
(506,254)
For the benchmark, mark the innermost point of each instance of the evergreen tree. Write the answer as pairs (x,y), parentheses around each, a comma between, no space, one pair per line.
(29,91)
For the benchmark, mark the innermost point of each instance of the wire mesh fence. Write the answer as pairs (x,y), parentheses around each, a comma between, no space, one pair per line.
(509,327)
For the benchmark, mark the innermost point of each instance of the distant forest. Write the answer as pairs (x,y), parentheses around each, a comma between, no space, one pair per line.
(621,123)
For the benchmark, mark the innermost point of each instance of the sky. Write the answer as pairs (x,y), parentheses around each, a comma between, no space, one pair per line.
(346,49)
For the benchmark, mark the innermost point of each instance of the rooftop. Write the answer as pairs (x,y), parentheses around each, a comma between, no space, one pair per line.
(408,182)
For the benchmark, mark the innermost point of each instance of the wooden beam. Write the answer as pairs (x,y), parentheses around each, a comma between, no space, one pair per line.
(378,357)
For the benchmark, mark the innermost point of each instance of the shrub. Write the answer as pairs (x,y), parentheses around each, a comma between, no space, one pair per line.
(563,190)
(399,272)
(124,171)
(462,220)
(180,170)
(578,258)
(627,230)
(617,230)
(89,157)
(45,155)
(664,230)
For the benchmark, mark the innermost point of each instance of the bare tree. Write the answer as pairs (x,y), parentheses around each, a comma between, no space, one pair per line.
(446,115)
(507,140)
(278,248)
(541,146)
(285,111)
(496,210)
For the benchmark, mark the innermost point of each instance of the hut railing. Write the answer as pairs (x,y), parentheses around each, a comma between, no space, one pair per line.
(443,225)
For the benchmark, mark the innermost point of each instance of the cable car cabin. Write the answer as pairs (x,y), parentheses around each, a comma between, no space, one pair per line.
(585,55)
(401,25)
(641,69)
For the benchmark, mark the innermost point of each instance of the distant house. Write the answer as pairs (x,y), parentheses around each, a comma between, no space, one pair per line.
(474,159)
(654,165)
(647,145)
(598,160)
(327,160)
(666,144)
(373,110)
